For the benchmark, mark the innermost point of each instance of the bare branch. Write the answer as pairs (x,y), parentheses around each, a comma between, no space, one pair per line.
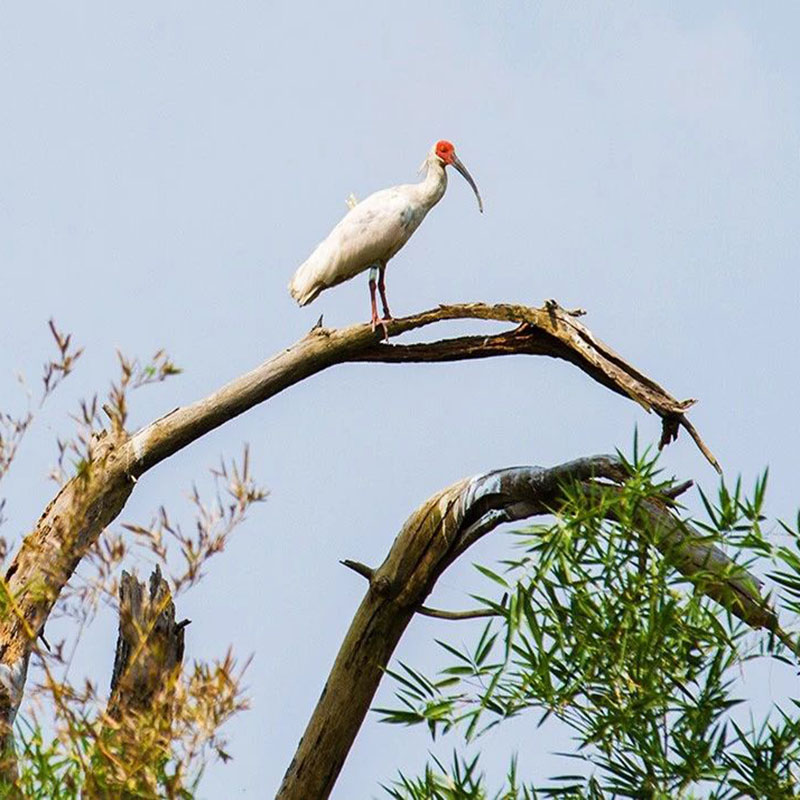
(367,572)
(476,613)
(548,331)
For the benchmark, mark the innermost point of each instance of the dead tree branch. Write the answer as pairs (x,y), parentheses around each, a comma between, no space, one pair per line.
(437,533)
(367,572)
(90,501)
(149,644)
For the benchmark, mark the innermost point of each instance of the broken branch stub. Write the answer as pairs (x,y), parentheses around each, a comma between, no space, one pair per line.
(150,644)
(135,734)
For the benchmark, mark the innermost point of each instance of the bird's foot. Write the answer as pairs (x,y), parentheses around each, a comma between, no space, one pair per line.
(382,323)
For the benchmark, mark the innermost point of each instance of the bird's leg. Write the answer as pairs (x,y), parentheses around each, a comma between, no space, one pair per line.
(373,271)
(382,288)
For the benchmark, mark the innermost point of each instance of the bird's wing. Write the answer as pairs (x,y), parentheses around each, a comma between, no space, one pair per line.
(372,231)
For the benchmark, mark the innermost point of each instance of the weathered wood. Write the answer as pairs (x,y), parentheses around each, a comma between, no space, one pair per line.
(74,520)
(69,526)
(149,644)
(550,331)
(437,533)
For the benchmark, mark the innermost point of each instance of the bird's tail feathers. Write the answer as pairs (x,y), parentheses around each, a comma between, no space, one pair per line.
(303,286)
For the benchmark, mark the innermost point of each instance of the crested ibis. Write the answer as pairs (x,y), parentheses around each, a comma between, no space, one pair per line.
(374,230)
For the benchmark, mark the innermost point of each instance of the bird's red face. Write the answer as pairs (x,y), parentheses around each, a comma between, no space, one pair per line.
(445,151)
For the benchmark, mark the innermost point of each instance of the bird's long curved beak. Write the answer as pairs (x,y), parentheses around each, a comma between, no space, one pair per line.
(468,178)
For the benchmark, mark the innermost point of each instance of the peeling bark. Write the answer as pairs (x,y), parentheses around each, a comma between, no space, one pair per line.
(436,534)
(48,556)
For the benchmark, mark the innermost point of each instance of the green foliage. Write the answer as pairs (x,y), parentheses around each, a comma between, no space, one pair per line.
(134,744)
(86,764)
(45,771)
(157,752)
(461,781)
(597,628)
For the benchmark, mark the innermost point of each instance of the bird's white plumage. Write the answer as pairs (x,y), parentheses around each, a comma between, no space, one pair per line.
(370,233)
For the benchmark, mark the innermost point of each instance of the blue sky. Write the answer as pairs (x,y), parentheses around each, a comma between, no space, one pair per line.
(166,167)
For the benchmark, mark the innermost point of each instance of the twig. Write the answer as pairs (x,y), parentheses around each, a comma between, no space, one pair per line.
(678,489)
(357,566)
(476,613)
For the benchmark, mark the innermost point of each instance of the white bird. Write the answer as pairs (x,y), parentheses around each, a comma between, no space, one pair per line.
(374,230)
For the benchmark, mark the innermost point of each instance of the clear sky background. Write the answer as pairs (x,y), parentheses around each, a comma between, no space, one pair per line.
(166,166)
